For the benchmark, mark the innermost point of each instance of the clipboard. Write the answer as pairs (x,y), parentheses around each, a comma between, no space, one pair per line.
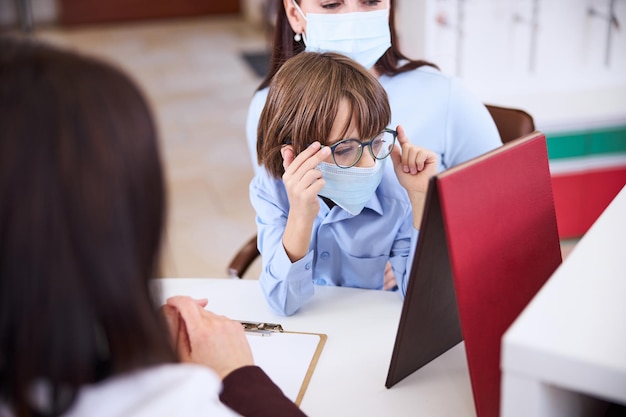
(288,358)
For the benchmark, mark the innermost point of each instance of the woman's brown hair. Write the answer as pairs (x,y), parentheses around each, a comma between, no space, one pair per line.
(82,206)
(303,102)
(285,47)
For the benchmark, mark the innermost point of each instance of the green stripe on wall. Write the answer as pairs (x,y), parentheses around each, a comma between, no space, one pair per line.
(578,144)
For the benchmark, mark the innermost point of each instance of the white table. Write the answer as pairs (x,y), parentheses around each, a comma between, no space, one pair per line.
(567,350)
(361,325)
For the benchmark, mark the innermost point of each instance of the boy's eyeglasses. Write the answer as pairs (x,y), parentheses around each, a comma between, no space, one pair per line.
(347,152)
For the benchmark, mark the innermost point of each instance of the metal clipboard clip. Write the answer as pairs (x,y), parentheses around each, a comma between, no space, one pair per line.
(262,329)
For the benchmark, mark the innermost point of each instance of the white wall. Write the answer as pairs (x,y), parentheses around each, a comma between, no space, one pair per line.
(554,66)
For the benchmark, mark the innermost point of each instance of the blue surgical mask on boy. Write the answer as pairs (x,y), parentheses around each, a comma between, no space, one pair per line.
(350,188)
(362,36)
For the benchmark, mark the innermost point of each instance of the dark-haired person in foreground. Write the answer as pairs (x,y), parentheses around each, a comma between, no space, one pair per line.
(82,208)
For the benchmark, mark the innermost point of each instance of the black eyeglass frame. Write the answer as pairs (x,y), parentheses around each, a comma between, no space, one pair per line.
(367,144)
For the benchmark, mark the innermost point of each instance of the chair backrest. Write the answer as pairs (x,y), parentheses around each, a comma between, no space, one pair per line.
(511,123)
(242,260)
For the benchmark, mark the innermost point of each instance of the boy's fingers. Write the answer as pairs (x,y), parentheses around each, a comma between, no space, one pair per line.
(400,157)
(309,158)
(288,155)
(402,138)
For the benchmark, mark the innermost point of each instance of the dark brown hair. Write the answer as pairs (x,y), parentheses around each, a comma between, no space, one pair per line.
(303,102)
(82,206)
(285,47)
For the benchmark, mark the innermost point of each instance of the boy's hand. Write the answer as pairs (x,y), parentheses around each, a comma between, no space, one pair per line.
(413,165)
(302,181)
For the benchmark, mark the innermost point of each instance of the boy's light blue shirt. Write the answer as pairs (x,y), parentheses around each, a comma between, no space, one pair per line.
(438,113)
(345,250)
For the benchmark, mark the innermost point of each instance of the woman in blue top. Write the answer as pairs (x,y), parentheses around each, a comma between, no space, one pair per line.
(330,210)
(436,111)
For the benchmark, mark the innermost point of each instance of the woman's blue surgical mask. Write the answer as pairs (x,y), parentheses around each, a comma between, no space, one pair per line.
(350,188)
(362,36)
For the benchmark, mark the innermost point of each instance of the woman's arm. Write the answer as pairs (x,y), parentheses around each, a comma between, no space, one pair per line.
(250,392)
(470,129)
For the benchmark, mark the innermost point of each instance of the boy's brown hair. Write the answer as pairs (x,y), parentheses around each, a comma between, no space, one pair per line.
(303,102)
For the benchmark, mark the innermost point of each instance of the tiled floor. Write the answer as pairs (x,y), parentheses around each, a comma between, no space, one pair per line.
(200,87)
